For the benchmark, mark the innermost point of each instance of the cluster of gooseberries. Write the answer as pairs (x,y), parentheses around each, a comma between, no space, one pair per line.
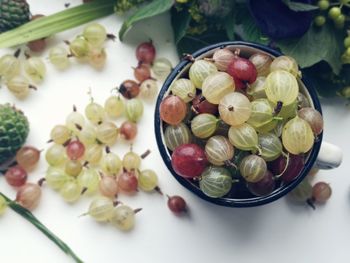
(87,47)
(81,161)
(239,126)
(20,74)
(28,194)
(334,11)
(146,84)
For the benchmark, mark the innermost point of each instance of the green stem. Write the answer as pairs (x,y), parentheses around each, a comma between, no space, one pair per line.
(58,22)
(26,214)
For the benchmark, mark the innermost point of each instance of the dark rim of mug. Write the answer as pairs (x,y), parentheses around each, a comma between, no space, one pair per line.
(230,202)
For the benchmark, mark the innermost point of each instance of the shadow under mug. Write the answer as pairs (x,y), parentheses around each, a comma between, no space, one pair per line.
(323,155)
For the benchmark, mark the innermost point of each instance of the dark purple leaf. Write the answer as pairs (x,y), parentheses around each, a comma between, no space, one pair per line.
(277,21)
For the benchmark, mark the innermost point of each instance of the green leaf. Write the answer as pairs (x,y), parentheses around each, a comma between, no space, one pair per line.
(26,214)
(299,7)
(154,8)
(316,44)
(249,31)
(230,25)
(325,81)
(56,23)
(180,21)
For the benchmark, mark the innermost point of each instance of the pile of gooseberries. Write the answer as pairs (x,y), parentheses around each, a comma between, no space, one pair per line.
(20,75)
(16,175)
(87,47)
(147,72)
(239,126)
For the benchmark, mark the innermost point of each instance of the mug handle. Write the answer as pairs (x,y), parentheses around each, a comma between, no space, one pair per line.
(330,156)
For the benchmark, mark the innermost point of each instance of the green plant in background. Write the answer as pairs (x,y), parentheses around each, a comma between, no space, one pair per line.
(313,32)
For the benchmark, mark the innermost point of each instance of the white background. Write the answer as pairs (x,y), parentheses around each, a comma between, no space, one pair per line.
(278,232)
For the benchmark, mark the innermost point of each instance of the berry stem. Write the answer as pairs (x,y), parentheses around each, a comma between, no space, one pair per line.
(145,154)
(278,107)
(311,202)
(157,188)
(41,181)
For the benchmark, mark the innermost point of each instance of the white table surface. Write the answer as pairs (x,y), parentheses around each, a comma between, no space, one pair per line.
(277,232)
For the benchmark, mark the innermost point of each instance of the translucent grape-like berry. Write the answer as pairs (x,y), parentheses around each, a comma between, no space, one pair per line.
(297,136)
(16,176)
(56,155)
(128,130)
(148,180)
(281,86)
(19,86)
(257,89)
(200,70)
(295,165)
(161,68)
(111,164)
(263,187)
(75,150)
(176,135)
(149,89)
(95,34)
(56,178)
(243,70)
(285,63)
(60,134)
(93,153)
(95,113)
(123,218)
(107,133)
(97,57)
(108,186)
(129,89)
(222,58)
(59,57)
(35,69)
(262,63)
(219,150)
(235,108)
(73,168)
(321,192)
(183,88)
(313,117)
(74,121)
(253,168)
(71,191)
(9,66)
(204,125)
(215,182)
(79,48)
(303,101)
(128,182)
(29,196)
(243,137)
(28,157)
(101,209)
(89,179)
(87,135)
(146,52)
(201,105)
(270,145)
(172,110)
(216,86)
(189,160)
(142,72)
(262,113)
(114,106)
(134,109)
(131,161)
(177,204)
